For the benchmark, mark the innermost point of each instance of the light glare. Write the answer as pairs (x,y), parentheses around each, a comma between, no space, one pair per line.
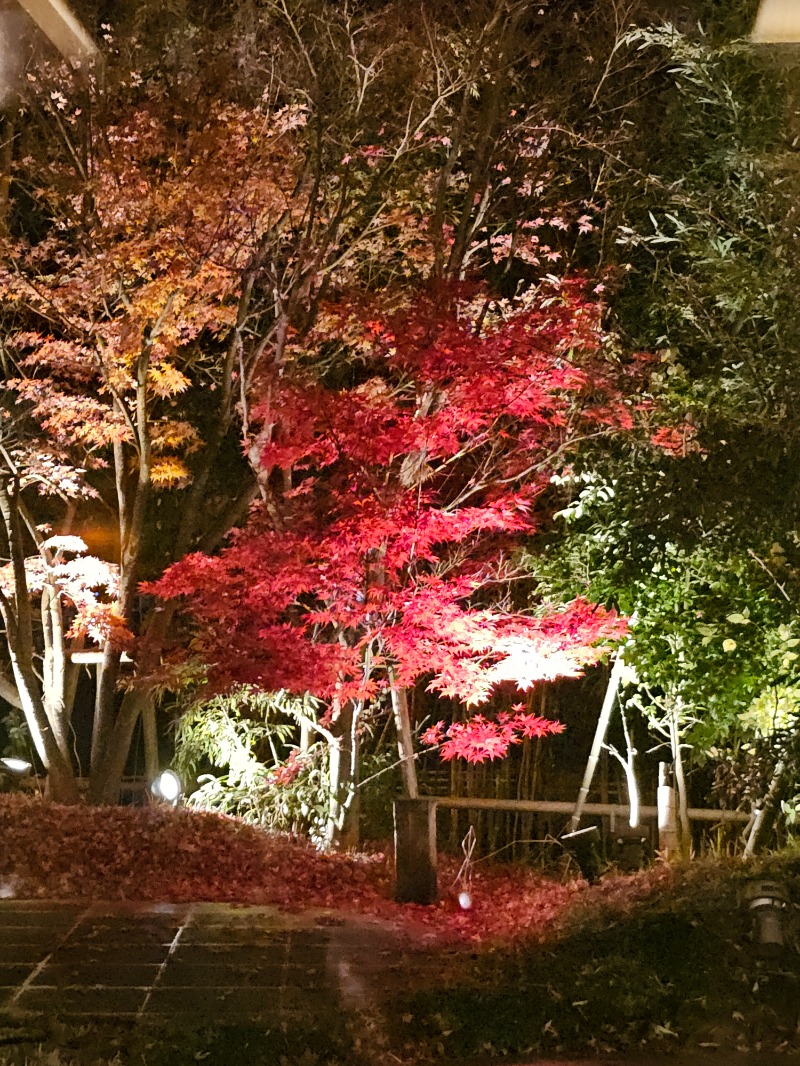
(168,786)
(15,765)
(778,22)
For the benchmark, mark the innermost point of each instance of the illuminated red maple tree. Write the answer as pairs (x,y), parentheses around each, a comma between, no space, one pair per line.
(396,488)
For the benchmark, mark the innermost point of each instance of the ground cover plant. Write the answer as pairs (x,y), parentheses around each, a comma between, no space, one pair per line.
(158,853)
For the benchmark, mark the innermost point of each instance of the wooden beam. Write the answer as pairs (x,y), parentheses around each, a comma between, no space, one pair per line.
(696,814)
(94,657)
(57,22)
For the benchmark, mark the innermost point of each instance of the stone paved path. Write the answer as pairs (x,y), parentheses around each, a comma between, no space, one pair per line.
(250,971)
(205,960)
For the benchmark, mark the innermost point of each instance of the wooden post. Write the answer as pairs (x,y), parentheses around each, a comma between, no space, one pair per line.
(667,820)
(415,851)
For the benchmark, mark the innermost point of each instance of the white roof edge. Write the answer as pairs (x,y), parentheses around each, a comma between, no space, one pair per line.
(777,22)
(57,22)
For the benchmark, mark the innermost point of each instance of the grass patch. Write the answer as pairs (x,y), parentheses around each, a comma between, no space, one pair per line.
(626,972)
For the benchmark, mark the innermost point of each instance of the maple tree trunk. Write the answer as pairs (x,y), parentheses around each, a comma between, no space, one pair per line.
(111,749)
(104,703)
(405,741)
(341,831)
(61,784)
(107,774)
(54,672)
(150,731)
(17,617)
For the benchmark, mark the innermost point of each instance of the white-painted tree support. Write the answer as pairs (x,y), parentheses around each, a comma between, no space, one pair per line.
(668,842)
(63,29)
(612,689)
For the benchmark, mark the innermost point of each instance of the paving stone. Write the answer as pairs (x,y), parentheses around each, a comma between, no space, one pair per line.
(230,915)
(120,974)
(13,974)
(308,1001)
(243,965)
(109,953)
(205,975)
(220,955)
(309,958)
(298,976)
(30,934)
(27,953)
(130,909)
(40,916)
(220,934)
(215,1003)
(72,1001)
(122,935)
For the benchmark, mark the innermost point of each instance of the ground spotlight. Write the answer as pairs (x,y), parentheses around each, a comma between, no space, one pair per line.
(16,767)
(167,787)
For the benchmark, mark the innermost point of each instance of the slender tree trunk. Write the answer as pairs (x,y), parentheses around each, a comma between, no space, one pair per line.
(106,780)
(9,691)
(764,814)
(54,670)
(685,829)
(61,784)
(104,707)
(342,826)
(6,157)
(405,741)
(18,622)
(150,730)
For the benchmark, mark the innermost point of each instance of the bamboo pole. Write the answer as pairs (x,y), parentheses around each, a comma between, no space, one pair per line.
(612,689)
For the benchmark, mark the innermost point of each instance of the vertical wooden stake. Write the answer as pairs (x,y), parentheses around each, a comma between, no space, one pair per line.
(415,851)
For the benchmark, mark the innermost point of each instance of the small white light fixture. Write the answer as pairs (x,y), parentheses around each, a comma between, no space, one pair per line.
(168,787)
(777,22)
(15,766)
(768,903)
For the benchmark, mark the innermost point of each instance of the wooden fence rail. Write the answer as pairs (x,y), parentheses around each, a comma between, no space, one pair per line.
(696,814)
(415,832)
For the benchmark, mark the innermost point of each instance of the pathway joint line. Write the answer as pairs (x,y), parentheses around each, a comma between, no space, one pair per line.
(162,968)
(28,982)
